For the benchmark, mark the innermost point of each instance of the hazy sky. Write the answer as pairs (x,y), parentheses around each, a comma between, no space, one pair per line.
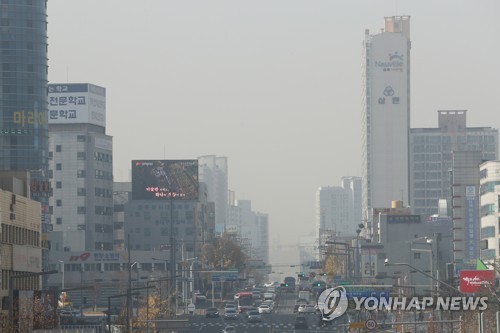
(273,85)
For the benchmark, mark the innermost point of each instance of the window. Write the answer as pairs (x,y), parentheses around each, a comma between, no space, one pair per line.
(59,220)
(58,166)
(81,156)
(58,184)
(58,203)
(81,192)
(81,138)
(487,232)
(416,255)
(80,173)
(58,148)
(81,210)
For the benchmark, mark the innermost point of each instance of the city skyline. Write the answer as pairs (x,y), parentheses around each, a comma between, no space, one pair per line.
(274,87)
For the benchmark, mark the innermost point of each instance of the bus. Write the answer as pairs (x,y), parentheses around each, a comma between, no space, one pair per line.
(289,283)
(244,300)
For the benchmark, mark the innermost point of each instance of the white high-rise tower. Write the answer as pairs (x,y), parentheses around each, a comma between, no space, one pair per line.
(386,114)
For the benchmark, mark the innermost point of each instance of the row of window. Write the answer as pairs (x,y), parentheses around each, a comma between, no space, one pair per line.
(82,210)
(101,157)
(461,139)
(106,267)
(16,235)
(98,174)
(164,207)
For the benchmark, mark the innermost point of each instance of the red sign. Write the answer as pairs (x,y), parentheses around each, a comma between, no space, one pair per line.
(476,281)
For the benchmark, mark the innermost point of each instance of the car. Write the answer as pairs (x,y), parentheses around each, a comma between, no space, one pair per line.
(307,309)
(264,308)
(230,314)
(296,308)
(254,316)
(212,313)
(200,297)
(300,322)
(229,329)
(301,306)
(270,303)
(230,306)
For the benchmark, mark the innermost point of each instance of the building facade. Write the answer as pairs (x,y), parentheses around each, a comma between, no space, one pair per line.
(81,167)
(465,205)
(23,100)
(20,242)
(152,225)
(386,114)
(489,192)
(431,158)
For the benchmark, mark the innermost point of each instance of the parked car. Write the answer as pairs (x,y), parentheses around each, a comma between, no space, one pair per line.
(301,322)
(212,313)
(230,314)
(254,316)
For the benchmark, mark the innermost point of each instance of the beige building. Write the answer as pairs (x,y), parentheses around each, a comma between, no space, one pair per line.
(20,242)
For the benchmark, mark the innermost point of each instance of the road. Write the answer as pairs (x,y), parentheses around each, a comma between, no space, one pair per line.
(282,320)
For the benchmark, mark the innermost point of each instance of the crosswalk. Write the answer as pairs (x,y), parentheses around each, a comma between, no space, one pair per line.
(252,325)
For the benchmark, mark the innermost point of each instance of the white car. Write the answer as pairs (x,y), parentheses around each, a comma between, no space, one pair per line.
(270,284)
(264,308)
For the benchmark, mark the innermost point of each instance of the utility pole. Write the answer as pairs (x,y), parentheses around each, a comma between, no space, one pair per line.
(129,284)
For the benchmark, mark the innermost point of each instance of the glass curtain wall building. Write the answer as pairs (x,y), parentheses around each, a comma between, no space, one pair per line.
(23,85)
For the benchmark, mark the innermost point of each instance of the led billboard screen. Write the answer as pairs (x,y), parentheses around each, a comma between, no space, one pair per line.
(164,179)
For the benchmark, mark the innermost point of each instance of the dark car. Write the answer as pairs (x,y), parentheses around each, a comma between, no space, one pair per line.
(300,322)
(254,317)
(212,313)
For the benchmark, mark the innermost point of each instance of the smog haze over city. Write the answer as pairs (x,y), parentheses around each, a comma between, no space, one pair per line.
(273,85)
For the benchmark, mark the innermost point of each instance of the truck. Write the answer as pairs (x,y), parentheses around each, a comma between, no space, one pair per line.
(304,296)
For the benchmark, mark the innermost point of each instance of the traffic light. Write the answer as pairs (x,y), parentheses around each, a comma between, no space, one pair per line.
(318,284)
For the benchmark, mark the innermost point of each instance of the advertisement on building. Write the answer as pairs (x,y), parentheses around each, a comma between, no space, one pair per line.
(474,281)
(26,259)
(387,96)
(76,103)
(470,222)
(164,179)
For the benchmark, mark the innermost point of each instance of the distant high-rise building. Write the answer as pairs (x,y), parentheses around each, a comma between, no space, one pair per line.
(353,186)
(213,171)
(254,230)
(338,208)
(386,115)
(23,81)
(431,158)
(81,167)
(332,213)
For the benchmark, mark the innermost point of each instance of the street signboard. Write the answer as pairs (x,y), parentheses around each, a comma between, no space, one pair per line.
(367,293)
(358,324)
(371,324)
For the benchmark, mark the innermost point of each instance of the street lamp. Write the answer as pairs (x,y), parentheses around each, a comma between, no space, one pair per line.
(387,263)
